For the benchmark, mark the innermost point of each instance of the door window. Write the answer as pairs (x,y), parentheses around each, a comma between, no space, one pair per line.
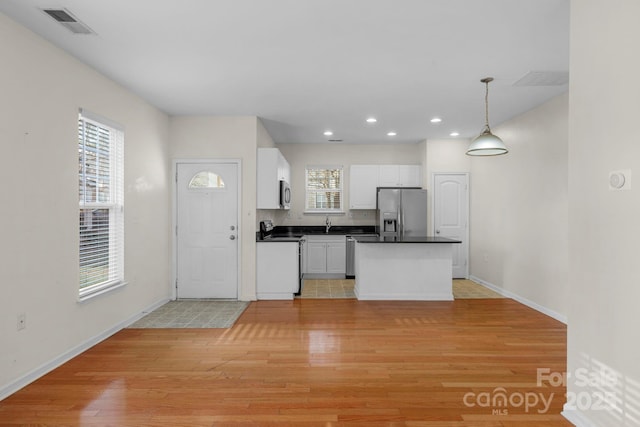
(206,179)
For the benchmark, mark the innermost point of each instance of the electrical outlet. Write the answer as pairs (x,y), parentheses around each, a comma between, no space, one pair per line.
(22,321)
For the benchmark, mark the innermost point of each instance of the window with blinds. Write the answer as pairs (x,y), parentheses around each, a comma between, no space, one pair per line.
(323,189)
(101,207)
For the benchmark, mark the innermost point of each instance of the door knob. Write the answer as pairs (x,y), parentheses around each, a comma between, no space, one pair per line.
(232,237)
(233,227)
(437,231)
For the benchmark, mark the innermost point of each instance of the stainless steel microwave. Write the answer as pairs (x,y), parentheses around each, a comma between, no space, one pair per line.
(285,195)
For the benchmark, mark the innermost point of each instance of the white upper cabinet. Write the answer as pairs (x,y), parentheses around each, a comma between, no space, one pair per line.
(364,179)
(271,169)
(400,176)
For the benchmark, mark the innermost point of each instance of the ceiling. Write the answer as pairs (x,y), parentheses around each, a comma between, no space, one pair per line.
(307,66)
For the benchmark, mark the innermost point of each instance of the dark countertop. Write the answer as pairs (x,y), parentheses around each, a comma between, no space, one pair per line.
(404,239)
(295,233)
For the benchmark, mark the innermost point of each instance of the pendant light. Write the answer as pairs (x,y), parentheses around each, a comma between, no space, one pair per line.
(487,144)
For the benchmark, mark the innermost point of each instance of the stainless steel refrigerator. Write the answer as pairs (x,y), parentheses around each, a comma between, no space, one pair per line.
(401,212)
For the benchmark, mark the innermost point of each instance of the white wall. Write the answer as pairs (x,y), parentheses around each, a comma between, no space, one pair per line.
(604,225)
(444,155)
(519,208)
(42,89)
(264,140)
(223,137)
(300,156)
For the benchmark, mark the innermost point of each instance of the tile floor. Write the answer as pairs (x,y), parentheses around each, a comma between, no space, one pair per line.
(338,288)
(193,314)
(467,289)
(333,288)
(223,314)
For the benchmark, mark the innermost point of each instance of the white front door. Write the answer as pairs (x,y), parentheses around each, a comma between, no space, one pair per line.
(207,230)
(451,216)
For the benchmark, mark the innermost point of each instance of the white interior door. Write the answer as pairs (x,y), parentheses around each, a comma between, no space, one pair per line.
(207,230)
(451,216)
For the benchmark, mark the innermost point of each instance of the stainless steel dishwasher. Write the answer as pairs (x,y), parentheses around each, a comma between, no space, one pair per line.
(351,258)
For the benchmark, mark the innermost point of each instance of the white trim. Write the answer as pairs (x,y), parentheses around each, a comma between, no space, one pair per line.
(544,310)
(174,223)
(101,120)
(101,290)
(47,367)
(577,418)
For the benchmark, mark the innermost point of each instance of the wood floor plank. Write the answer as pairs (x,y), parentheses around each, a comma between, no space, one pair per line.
(314,362)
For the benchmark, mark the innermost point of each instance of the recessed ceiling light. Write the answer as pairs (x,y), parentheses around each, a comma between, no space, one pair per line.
(372,120)
(391,134)
(436,120)
(454,134)
(328,133)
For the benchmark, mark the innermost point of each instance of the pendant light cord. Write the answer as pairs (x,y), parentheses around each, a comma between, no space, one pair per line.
(486,81)
(486,104)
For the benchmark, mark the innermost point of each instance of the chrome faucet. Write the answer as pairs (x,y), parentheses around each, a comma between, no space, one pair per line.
(327,224)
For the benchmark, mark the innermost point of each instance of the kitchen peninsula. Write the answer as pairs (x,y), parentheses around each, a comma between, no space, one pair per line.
(404,268)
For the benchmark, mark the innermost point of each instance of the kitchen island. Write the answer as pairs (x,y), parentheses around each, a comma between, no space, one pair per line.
(404,268)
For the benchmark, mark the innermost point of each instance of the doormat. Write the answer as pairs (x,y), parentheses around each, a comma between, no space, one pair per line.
(193,314)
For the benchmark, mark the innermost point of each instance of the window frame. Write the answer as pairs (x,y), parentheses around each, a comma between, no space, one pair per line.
(307,190)
(114,230)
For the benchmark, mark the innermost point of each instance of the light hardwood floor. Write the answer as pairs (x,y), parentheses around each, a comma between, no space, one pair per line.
(314,362)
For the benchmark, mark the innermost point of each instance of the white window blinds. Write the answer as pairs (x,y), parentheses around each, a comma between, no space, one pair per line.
(101,207)
(323,189)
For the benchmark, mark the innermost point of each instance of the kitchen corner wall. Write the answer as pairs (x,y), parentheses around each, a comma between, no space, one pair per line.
(300,156)
(42,89)
(224,137)
(604,225)
(519,210)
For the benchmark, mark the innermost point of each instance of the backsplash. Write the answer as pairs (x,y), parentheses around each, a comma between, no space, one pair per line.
(294,218)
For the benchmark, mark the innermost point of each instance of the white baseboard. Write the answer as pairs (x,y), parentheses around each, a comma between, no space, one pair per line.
(17,384)
(577,418)
(544,310)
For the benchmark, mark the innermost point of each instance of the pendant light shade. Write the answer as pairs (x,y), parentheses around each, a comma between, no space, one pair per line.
(487,144)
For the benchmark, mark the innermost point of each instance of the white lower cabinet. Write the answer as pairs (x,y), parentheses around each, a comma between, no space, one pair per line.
(326,256)
(337,257)
(277,270)
(316,257)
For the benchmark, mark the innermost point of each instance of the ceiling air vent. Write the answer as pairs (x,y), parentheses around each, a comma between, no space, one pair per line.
(67,20)
(544,78)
